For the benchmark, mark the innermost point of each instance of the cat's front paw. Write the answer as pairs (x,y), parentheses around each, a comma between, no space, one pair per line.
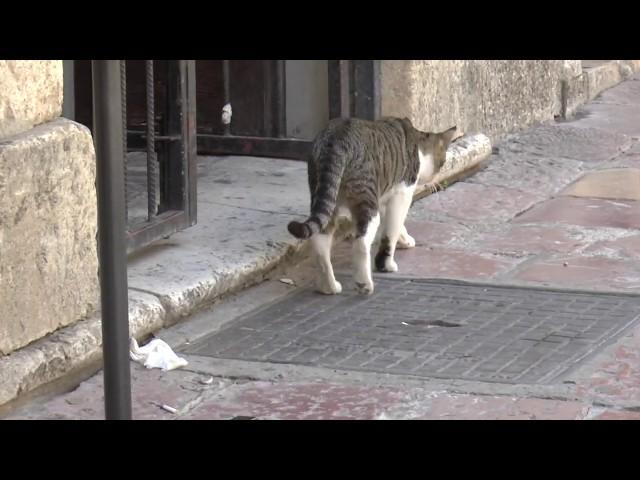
(405,241)
(364,288)
(327,289)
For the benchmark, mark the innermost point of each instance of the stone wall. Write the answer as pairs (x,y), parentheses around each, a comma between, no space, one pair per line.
(30,94)
(48,216)
(489,96)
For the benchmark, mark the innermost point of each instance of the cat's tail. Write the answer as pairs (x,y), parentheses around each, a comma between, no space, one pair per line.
(324,201)
(304,229)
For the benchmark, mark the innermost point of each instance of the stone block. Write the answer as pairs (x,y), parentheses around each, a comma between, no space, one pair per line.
(492,97)
(31,94)
(48,225)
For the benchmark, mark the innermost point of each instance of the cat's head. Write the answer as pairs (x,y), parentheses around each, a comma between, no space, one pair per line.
(432,149)
(437,144)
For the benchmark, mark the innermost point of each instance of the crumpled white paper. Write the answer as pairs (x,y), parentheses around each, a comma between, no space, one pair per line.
(156,354)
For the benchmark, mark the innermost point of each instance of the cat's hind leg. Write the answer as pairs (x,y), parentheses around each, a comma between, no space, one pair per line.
(321,244)
(366,223)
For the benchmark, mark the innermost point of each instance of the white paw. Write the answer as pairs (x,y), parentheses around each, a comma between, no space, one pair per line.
(406,241)
(327,289)
(390,265)
(364,288)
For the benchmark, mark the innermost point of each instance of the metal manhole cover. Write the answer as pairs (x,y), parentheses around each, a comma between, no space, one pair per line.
(431,328)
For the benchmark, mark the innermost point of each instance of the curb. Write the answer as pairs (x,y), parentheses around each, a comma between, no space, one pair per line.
(583,88)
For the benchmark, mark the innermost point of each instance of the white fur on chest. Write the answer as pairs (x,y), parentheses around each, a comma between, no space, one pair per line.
(427,168)
(402,189)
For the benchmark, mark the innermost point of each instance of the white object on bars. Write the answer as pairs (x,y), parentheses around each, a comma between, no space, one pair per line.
(156,354)
(226,114)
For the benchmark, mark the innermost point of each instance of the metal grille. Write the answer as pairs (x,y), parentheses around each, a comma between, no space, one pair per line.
(353,92)
(435,329)
(167,180)
(272,140)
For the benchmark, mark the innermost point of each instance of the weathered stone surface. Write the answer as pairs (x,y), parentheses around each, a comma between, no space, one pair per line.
(302,400)
(613,377)
(606,75)
(228,248)
(623,183)
(438,262)
(474,203)
(627,93)
(588,212)
(71,348)
(232,181)
(572,68)
(520,241)
(48,267)
(624,161)
(609,117)
(446,406)
(528,172)
(626,248)
(596,77)
(150,390)
(635,149)
(429,234)
(488,96)
(610,414)
(493,96)
(31,94)
(565,140)
(240,233)
(598,273)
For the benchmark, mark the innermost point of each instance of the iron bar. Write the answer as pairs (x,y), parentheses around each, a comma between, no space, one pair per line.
(227,93)
(365,88)
(268,105)
(152,164)
(339,98)
(123,87)
(279,100)
(175,155)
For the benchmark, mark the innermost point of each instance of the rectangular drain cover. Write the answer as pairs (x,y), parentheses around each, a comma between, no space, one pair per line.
(431,328)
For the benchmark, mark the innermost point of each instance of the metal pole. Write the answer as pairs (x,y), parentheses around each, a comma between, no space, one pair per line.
(280,100)
(227,92)
(123,89)
(152,159)
(107,118)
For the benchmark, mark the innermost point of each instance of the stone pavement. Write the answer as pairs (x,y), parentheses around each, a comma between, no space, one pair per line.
(558,206)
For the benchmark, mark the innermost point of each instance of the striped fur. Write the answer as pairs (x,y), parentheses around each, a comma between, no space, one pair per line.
(357,163)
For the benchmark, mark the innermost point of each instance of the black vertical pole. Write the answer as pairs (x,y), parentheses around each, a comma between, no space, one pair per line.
(365,89)
(280,100)
(227,91)
(107,118)
(339,99)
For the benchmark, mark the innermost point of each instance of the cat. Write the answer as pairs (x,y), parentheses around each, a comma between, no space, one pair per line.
(367,171)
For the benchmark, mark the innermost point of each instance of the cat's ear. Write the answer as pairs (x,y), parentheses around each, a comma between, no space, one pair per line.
(449,134)
(407,121)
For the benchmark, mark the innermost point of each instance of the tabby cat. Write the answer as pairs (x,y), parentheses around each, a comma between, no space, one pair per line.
(367,171)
